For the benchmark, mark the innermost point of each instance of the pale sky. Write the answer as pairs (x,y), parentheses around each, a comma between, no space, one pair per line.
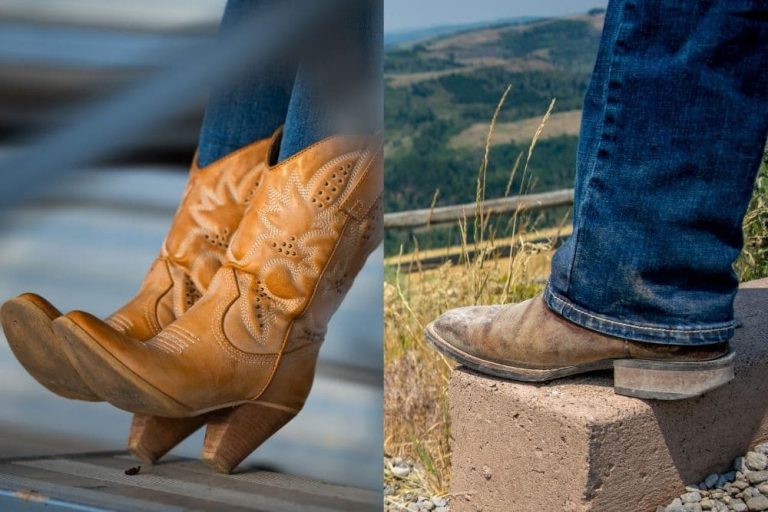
(409,14)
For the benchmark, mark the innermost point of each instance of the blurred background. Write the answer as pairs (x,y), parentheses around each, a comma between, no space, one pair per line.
(84,239)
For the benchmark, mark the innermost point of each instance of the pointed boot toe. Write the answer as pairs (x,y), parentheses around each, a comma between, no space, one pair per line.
(211,209)
(528,342)
(27,322)
(99,353)
(454,330)
(247,349)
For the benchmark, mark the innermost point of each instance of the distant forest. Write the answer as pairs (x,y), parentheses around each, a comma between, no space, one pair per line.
(437,89)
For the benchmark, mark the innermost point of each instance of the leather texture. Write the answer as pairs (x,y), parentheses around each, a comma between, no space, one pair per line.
(255,334)
(530,335)
(211,208)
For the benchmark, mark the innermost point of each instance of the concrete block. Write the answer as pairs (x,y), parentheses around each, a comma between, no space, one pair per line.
(574,445)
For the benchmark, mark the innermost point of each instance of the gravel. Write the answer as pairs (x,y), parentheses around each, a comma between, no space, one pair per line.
(743,488)
(405,489)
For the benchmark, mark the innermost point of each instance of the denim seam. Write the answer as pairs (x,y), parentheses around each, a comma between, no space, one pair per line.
(565,303)
(599,146)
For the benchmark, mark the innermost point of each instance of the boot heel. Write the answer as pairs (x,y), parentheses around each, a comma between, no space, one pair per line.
(666,380)
(232,435)
(151,437)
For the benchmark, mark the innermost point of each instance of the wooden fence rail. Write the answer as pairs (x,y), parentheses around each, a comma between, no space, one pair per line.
(449,214)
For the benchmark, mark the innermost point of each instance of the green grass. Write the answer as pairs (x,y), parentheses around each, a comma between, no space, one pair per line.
(753,261)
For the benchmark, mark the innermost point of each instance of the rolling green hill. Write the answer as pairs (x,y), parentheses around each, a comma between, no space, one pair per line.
(441,94)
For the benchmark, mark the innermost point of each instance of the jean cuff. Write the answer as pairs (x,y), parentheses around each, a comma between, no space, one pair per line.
(636,331)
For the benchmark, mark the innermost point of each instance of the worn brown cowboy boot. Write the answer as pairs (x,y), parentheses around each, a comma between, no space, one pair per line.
(211,208)
(528,342)
(252,340)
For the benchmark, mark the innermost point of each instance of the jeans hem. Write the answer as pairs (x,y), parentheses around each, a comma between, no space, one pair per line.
(648,333)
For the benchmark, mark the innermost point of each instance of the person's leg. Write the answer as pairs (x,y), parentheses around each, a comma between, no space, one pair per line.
(338,84)
(248,109)
(675,123)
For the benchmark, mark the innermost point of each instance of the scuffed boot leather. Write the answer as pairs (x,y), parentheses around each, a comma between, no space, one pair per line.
(529,342)
(254,336)
(211,208)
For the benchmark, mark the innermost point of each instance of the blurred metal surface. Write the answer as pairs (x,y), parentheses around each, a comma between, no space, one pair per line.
(98,482)
(148,15)
(48,70)
(99,130)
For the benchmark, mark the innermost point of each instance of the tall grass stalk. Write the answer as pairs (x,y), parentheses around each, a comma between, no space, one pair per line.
(416,376)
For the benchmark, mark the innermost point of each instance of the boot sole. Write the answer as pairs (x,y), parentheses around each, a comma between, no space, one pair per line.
(116,383)
(28,329)
(233,430)
(639,378)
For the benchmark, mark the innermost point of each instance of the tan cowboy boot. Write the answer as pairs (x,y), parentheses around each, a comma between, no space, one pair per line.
(528,342)
(211,208)
(252,340)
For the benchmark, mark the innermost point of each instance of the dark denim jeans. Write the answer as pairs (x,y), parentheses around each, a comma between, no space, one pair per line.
(674,125)
(332,88)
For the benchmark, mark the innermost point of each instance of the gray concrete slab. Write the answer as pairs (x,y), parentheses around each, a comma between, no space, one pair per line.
(574,445)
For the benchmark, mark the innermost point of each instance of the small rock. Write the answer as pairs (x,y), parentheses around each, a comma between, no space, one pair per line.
(762,448)
(756,461)
(675,508)
(725,478)
(757,503)
(441,509)
(763,488)
(750,492)
(401,471)
(692,507)
(711,480)
(738,464)
(757,477)
(413,507)
(740,485)
(691,497)
(738,506)
(677,502)
(426,504)
(707,504)
(487,472)
(440,502)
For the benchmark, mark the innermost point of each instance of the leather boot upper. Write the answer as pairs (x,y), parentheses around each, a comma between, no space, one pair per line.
(530,335)
(310,226)
(211,208)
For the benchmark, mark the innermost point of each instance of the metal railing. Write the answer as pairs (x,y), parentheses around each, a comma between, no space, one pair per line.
(104,128)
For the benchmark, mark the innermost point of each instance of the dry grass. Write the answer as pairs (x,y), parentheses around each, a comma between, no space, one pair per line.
(416,422)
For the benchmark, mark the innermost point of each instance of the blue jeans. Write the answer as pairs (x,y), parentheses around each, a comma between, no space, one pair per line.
(674,125)
(333,87)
